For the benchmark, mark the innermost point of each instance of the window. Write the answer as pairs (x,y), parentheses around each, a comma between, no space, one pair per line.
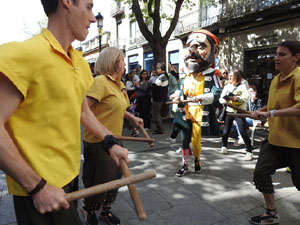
(174,59)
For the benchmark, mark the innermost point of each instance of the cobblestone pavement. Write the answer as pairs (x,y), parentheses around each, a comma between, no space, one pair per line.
(221,194)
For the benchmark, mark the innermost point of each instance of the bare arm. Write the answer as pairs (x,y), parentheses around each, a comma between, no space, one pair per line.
(11,162)
(91,123)
(138,121)
(291,111)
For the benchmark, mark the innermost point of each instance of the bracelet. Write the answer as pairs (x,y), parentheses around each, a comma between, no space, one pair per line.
(272,113)
(108,142)
(38,187)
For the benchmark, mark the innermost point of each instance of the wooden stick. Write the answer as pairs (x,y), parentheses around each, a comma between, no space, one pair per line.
(181,101)
(146,135)
(100,188)
(138,205)
(126,138)
(240,115)
(236,108)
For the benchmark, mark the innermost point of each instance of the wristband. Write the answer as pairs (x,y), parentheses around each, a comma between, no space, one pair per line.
(38,187)
(272,113)
(108,142)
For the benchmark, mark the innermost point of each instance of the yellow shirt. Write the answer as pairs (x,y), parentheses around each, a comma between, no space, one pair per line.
(110,107)
(193,86)
(46,125)
(285,131)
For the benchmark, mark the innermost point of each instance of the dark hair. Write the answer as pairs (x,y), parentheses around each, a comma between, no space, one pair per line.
(50,6)
(292,46)
(143,71)
(161,65)
(238,75)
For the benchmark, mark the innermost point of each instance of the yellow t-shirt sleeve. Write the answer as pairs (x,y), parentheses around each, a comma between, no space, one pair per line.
(98,88)
(297,93)
(15,65)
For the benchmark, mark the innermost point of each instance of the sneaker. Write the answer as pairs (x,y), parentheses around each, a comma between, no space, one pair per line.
(146,129)
(267,218)
(182,171)
(179,150)
(110,218)
(197,165)
(249,156)
(224,150)
(237,143)
(89,217)
(241,141)
(173,141)
(135,133)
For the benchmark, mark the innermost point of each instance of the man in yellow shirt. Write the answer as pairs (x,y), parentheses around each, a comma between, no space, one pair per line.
(43,82)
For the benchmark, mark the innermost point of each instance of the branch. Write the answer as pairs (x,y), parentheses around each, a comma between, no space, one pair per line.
(156,19)
(174,20)
(139,18)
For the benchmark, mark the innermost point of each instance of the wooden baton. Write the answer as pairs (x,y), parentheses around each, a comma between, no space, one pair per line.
(100,188)
(181,101)
(126,138)
(138,205)
(240,115)
(146,135)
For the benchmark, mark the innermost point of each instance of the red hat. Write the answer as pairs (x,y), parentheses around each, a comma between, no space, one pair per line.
(208,33)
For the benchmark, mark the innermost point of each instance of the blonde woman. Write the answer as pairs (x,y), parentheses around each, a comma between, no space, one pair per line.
(108,103)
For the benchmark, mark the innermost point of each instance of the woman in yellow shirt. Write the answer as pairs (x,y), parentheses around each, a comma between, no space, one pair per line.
(108,103)
(282,148)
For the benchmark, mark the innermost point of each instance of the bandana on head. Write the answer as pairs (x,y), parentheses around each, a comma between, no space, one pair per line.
(208,33)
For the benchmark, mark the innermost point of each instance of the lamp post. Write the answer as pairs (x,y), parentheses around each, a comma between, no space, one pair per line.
(99,19)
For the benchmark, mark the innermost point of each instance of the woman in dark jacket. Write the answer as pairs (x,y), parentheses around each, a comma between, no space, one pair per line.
(143,96)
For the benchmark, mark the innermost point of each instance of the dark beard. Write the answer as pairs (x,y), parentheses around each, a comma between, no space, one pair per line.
(194,67)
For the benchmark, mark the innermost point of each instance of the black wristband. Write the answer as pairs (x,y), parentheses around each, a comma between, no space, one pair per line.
(108,142)
(38,187)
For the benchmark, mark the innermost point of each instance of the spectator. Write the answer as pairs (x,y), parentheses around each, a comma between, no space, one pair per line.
(160,95)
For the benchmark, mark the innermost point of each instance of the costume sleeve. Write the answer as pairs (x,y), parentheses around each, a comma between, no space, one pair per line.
(214,94)
(15,64)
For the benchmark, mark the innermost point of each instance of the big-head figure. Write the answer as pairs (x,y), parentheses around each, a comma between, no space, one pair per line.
(202,86)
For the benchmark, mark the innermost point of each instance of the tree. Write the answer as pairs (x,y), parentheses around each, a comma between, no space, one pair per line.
(151,9)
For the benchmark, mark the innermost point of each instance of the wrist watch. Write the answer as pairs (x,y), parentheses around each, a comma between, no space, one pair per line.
(272,113)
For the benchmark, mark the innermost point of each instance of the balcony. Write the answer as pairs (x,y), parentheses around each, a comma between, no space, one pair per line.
(119,43)
(116,9)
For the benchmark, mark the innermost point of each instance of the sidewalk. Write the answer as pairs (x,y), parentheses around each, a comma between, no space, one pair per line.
(221,194)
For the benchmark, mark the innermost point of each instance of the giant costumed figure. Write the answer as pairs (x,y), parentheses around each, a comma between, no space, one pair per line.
(202,87)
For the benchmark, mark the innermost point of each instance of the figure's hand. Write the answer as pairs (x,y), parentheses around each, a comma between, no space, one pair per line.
(198,98)
(49,199)
(117,152)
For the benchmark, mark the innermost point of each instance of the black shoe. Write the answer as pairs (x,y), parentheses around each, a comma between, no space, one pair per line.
(110,218)
(197,165)
(135,133)
(183,170)
(90,217)
(268,218)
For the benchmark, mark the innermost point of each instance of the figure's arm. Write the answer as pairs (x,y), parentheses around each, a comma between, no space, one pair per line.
(49,198)
(91,123)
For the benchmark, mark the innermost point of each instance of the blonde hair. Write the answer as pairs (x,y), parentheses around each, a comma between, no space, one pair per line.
(107,60)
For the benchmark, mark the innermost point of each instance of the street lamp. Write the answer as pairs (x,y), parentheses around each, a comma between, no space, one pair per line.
(99,19)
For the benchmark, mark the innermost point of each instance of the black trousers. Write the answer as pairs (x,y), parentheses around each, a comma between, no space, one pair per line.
(26,214)
(241,123)
(98,168)
(270,159)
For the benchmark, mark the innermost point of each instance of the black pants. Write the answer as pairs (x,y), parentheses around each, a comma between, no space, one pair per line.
(98,168)
(241,123)
(144,105)
(270,159)
(26,214)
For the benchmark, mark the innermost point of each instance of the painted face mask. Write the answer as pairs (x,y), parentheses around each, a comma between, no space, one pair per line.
(201,42)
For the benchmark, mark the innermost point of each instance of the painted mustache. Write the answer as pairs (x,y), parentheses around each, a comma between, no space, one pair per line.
(194,56)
